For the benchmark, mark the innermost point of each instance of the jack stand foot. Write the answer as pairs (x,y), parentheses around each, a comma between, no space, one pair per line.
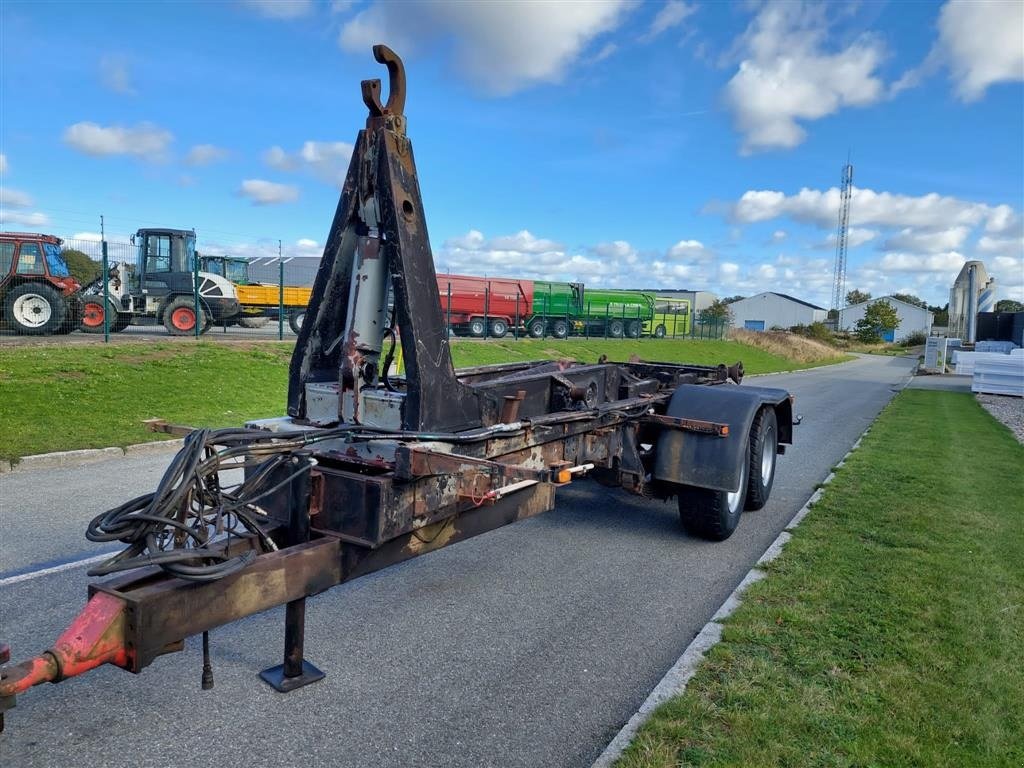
(276,678)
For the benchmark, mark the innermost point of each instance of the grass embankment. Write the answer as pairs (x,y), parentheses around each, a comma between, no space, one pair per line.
(891,630)
(88,396)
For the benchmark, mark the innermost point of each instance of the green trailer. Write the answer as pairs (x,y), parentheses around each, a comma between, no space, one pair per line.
(561,309)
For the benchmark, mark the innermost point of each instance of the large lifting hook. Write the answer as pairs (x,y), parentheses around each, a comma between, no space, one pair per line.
(392,113)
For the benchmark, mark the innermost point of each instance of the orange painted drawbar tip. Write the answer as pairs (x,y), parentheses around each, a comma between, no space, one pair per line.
(94,638)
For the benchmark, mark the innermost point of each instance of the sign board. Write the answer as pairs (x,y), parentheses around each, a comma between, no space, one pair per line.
(931,352)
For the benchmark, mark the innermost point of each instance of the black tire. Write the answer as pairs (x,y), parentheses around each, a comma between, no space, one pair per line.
(659,332)
(477,327)
(537,329)
(180,317)
(764,442)
(35,309)
(634,328)
(708,513)
(498,329)
(92,316)
(616,329)
(253,321)
(296,319)
(123,320)
(559,329)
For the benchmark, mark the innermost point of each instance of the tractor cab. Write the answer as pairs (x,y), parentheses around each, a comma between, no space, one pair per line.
(231,268)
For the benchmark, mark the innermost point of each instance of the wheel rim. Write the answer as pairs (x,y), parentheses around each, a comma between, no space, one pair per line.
(32,310)
(733,498)
(183,318)
(299,319)
(477,329)
(537,330)
(768,450)
(92,315)
(498,328)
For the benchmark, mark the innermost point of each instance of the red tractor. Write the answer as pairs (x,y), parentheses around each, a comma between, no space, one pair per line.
(38,295)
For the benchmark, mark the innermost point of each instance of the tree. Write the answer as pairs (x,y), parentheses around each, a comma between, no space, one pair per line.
(1009,305)
(731,299)
(909,298)
(940,315)
(716,312)
(857,297)
(81,266)
(879,317)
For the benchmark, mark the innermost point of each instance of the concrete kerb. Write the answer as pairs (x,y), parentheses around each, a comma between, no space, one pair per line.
(60,459)
(676,679)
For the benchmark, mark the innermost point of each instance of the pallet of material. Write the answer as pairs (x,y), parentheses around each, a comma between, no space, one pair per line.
(996,374)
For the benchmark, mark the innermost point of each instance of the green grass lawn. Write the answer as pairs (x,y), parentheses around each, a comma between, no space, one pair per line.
(891,630)
(88,396)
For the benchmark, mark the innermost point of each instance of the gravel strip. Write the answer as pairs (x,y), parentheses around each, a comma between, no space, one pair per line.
(1009,410)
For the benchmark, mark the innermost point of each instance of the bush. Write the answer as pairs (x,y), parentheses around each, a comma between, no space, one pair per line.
(915,339)
(818,331)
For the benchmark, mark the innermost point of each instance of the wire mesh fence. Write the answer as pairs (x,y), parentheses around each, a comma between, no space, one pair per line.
(132,289)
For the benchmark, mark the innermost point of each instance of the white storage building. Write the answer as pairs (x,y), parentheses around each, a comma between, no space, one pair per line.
(774,310)
(913,319)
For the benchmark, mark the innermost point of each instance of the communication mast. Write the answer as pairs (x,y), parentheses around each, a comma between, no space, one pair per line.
(842,236)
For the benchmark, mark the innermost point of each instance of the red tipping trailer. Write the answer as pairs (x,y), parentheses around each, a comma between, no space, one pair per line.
(484,305)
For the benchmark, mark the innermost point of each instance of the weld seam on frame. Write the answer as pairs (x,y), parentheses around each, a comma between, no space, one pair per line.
(676,679)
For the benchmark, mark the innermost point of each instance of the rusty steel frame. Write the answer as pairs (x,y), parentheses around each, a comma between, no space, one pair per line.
(475,450)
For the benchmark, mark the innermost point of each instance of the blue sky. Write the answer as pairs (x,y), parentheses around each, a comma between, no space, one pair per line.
(664,144)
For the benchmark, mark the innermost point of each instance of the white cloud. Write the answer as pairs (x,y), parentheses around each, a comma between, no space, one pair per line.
(672,14)
(23,218)
(867,207)
(305,242)
(204,154)
(927,242)
(778,235)
(915,262)
(983,42)
(326,160)
(524,255)
(280,9)
(500,46)
(787,76)
(14,198)
(144,140)
(114,74)
(91,237)
(263,192)
(605,52)
(3,163)
(692,250)
(1001,246)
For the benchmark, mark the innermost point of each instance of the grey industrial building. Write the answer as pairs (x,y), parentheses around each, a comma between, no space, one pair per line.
(774,310)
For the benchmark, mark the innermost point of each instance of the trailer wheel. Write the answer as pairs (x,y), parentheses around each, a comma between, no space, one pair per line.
(296,319)
(764,443)
(537,329)
(476,327)
(35,309)
(559,329)
(180,317)
(659,332)
(713,514)
(633,328)
(253,322)
(498,328)
(616,329)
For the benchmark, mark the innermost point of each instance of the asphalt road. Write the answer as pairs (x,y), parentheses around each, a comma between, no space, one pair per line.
(527,646)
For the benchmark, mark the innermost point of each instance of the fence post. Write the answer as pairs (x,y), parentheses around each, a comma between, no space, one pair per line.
(449,316)
(487,310)
(515,331)
(106,293)
(197,329)
(280,294)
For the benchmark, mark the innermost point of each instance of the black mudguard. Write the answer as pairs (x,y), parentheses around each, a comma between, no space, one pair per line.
(708,461)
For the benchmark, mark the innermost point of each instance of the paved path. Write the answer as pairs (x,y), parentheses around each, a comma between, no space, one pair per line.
(527,646)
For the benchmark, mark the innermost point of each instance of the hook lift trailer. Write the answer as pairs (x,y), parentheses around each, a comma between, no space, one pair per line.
(370,469)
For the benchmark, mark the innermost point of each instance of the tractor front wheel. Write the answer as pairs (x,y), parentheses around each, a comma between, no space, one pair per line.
(180,317)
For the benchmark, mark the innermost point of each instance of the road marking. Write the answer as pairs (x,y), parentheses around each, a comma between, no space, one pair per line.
(17,579)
